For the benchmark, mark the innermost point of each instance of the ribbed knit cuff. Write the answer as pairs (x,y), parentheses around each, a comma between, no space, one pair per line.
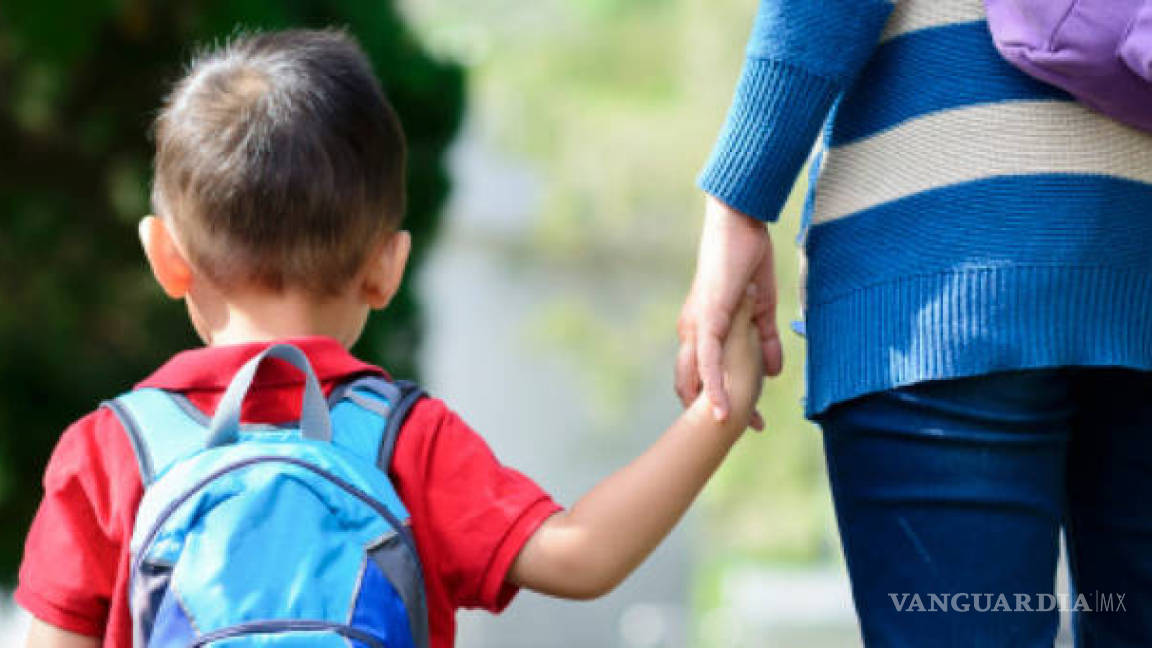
(777,111)
(975,321)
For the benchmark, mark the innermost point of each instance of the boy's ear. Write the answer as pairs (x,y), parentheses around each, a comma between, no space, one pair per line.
(385,269)
(169,266)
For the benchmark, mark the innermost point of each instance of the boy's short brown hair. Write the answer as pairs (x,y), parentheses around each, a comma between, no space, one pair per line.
(279,161)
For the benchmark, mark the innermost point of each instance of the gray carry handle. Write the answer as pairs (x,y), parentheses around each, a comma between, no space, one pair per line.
(314,421)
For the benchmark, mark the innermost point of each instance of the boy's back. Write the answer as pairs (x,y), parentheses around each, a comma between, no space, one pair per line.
(75,571)
(92,489)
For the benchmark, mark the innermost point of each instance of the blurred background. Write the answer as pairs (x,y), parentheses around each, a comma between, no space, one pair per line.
(554,150)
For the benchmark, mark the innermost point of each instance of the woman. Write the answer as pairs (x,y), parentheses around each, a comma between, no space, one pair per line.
(979,317)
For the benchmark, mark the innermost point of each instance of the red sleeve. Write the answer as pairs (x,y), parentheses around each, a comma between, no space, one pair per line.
(470,514)
(78,540)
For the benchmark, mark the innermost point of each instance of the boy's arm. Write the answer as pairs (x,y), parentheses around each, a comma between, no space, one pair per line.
(76,544)
(586,551)
(44,635)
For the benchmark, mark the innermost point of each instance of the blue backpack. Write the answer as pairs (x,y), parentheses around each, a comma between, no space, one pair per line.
(273,536)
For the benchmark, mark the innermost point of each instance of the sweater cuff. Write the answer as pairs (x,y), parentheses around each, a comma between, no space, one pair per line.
(775,116)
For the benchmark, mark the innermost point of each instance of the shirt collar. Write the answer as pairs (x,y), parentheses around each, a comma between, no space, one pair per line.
(212,368)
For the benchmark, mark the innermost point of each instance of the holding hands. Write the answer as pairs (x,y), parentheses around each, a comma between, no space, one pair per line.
(585,551)
(734,265)
(743,368)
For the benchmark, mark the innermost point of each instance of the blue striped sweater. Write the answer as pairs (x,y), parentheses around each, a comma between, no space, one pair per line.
(966,219)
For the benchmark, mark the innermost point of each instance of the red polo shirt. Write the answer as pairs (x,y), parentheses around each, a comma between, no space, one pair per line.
(470,514)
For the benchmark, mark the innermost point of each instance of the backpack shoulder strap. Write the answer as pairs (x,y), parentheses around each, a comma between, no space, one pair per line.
(409,393)
(367,414)
(162,426)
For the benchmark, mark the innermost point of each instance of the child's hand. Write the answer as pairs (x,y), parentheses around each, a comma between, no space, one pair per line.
(743,370)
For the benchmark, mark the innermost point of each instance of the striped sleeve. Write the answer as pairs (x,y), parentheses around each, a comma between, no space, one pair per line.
(800,56)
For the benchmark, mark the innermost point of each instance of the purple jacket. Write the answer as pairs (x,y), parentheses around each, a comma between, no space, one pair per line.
(1098,50)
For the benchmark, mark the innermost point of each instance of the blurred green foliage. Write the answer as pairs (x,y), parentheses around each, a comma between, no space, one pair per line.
(80,319)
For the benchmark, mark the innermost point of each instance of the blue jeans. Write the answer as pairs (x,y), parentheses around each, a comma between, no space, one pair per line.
(951,493)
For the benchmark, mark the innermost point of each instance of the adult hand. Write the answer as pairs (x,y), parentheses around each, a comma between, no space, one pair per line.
(735,255)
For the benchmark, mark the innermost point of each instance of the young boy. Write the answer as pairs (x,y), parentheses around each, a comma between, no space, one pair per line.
(278,195)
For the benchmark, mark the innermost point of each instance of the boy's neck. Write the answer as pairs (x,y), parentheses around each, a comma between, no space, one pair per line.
(263,317)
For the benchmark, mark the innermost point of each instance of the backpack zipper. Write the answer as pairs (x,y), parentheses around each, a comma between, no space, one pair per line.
(288,625)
